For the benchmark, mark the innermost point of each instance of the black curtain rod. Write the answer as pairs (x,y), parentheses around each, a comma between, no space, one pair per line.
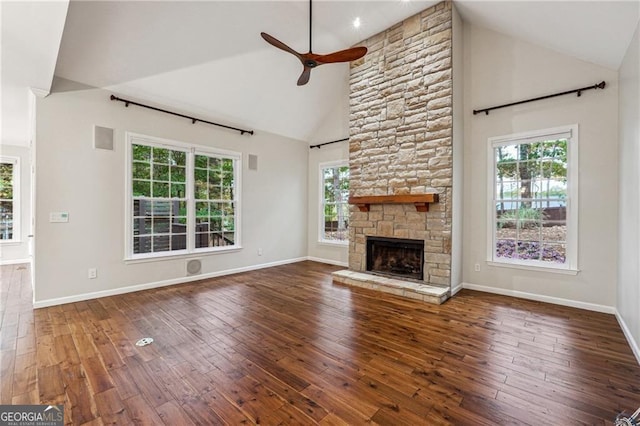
(327,143)
(568,92)
(193,119)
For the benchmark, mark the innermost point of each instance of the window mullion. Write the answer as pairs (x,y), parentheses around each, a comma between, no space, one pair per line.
(191,205)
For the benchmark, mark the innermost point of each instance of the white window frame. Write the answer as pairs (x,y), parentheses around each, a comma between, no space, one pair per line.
(17,235)
(570,266)
(321,221)
(191,150)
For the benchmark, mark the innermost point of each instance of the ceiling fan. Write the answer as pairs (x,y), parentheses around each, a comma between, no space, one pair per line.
(311,60)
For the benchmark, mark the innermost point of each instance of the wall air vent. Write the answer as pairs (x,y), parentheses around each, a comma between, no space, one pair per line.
(194,267)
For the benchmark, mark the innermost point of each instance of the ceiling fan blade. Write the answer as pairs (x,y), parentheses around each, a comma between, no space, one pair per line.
(346,55)
(304,77)
(280,45)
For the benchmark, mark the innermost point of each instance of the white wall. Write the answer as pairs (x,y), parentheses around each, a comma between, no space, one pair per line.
(335,124)
(458,151)
(329,253)
(628,302)
(500,69)
(19,251)
(89,184)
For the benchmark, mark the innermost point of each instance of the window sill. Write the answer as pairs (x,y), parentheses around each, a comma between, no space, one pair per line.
(562,271)
(164,257)
(333,243)
(10,242)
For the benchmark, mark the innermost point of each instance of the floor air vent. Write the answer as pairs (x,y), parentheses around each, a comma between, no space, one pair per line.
(194,267)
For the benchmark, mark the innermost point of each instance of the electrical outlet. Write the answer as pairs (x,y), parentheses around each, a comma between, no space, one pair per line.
(93,273)
(476,267)
(259,252)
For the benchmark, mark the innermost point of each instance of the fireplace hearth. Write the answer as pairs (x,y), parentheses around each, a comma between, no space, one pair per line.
(395,257)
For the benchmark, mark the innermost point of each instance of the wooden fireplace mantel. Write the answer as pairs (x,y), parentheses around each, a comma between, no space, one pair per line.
(421,201)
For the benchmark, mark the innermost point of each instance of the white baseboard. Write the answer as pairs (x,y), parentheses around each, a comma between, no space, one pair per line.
(541,298)
(14,261)
(456,289)
(328,261)
(627,333)
(181,280)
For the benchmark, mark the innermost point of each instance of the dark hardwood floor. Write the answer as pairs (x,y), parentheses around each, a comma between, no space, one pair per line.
(286,346)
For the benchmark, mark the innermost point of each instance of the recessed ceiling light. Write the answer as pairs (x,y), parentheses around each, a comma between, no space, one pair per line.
(356,22)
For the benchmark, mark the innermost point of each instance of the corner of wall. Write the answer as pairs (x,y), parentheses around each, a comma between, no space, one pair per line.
(635,348)
(458,152)
(628,270)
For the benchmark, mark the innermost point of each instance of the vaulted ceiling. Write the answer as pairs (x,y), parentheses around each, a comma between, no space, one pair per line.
(207,58)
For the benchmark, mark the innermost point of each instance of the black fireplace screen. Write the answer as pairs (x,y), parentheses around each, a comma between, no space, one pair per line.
(395,256)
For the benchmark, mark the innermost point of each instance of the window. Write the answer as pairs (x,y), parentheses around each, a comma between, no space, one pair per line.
(183,199)
(334,217)
(215,201)
(534,187)
(9,191)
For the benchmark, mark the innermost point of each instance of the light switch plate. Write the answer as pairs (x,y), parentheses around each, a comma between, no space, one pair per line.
(58,217)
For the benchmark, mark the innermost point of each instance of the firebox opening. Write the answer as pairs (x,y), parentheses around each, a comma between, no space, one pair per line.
(396,257)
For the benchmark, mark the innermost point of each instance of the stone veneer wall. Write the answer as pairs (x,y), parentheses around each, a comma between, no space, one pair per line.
(401,137)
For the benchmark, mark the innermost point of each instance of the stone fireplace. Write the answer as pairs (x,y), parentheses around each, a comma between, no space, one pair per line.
(401,143)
